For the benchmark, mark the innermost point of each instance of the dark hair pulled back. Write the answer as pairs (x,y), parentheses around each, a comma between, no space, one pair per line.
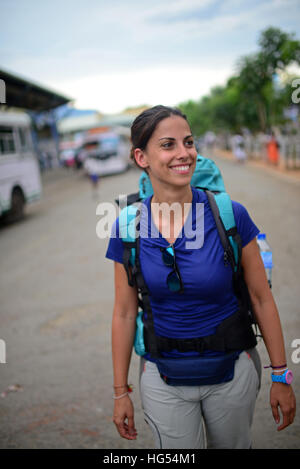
(145,123)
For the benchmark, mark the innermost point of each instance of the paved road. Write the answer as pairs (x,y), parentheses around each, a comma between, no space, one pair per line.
(56,301)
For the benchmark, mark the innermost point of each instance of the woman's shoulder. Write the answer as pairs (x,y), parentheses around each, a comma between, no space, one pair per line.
(240,210)
(245,225)
(198,195)
(238,207)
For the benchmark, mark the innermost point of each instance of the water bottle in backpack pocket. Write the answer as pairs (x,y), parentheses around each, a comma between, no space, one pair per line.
(266,255)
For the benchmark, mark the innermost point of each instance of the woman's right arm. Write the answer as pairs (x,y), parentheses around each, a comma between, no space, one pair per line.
(123,331)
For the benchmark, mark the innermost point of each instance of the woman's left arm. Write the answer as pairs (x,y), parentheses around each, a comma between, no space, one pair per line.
(268,320)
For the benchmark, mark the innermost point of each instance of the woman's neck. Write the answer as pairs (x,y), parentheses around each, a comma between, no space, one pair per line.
(170,196)
(170,220)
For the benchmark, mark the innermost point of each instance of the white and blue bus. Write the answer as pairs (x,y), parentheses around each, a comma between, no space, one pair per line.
(20,181)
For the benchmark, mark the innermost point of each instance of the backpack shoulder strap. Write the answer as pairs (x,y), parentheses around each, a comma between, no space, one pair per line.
(221,206)
(128,220)
(129,199)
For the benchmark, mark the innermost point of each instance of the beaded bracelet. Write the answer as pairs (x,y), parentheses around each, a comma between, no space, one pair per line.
(128,386)
(122,395)
(129,389)
(279,371)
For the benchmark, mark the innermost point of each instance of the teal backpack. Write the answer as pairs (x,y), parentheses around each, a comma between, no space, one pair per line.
(207,177)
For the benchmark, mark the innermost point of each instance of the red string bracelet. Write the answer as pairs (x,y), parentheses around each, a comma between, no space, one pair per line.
(128,386)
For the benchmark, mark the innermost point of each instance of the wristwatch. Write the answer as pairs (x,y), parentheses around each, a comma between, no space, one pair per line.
(286,377)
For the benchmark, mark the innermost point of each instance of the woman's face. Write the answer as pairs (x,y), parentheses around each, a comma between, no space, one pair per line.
(170,154)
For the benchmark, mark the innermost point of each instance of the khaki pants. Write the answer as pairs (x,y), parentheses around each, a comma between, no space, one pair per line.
(195,417)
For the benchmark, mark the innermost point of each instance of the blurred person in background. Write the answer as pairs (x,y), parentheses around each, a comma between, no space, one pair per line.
(273,149)
(92,172)
(238,148)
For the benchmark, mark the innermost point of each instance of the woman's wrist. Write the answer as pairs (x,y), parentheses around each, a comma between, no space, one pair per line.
(122,390)
(277,367)
(279,371)
(120,396)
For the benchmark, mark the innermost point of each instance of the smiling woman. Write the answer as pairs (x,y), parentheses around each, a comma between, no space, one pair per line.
(199,364)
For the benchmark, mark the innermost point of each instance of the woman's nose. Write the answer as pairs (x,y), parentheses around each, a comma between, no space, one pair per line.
(183,151)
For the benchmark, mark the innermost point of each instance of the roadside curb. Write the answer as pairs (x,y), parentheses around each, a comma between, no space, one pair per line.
(279,171)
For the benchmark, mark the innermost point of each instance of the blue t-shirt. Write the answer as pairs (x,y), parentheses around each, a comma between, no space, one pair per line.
(208,296)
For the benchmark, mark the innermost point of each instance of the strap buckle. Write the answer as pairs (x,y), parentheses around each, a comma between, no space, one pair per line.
(190,345)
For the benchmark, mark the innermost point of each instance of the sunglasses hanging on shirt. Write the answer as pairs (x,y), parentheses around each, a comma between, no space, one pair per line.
(174,281)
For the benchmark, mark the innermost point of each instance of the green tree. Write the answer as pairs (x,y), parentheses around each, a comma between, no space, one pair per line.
(250,98)
(256,73)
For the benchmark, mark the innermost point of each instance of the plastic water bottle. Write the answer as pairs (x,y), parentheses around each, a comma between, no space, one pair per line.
(266,254)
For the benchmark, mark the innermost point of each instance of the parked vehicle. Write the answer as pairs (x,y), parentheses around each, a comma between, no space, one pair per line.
(68,151)
(109,152)
(67,158)
(20,181)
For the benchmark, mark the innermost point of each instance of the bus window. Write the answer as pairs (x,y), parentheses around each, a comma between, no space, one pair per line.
(24,139)
(7,143)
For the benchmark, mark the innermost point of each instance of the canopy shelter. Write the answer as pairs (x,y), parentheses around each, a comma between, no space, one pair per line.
(24,94)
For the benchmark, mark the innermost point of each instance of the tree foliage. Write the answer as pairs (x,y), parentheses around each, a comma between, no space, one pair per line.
(251,98)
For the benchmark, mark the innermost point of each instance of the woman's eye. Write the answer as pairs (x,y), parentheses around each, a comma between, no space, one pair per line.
(188,143)
(167,144)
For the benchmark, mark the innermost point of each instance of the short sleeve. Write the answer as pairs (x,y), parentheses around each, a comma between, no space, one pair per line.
(245,225)
(115,246)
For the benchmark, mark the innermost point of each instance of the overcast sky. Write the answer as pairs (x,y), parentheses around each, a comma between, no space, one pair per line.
(111,54)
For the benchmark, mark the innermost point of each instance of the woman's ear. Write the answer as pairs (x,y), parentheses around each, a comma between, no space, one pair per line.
(140,158)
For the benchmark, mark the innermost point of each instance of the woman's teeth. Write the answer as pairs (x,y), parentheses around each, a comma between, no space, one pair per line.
(181,168)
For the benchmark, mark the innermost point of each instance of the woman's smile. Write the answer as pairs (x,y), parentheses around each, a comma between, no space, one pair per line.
(181,168)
